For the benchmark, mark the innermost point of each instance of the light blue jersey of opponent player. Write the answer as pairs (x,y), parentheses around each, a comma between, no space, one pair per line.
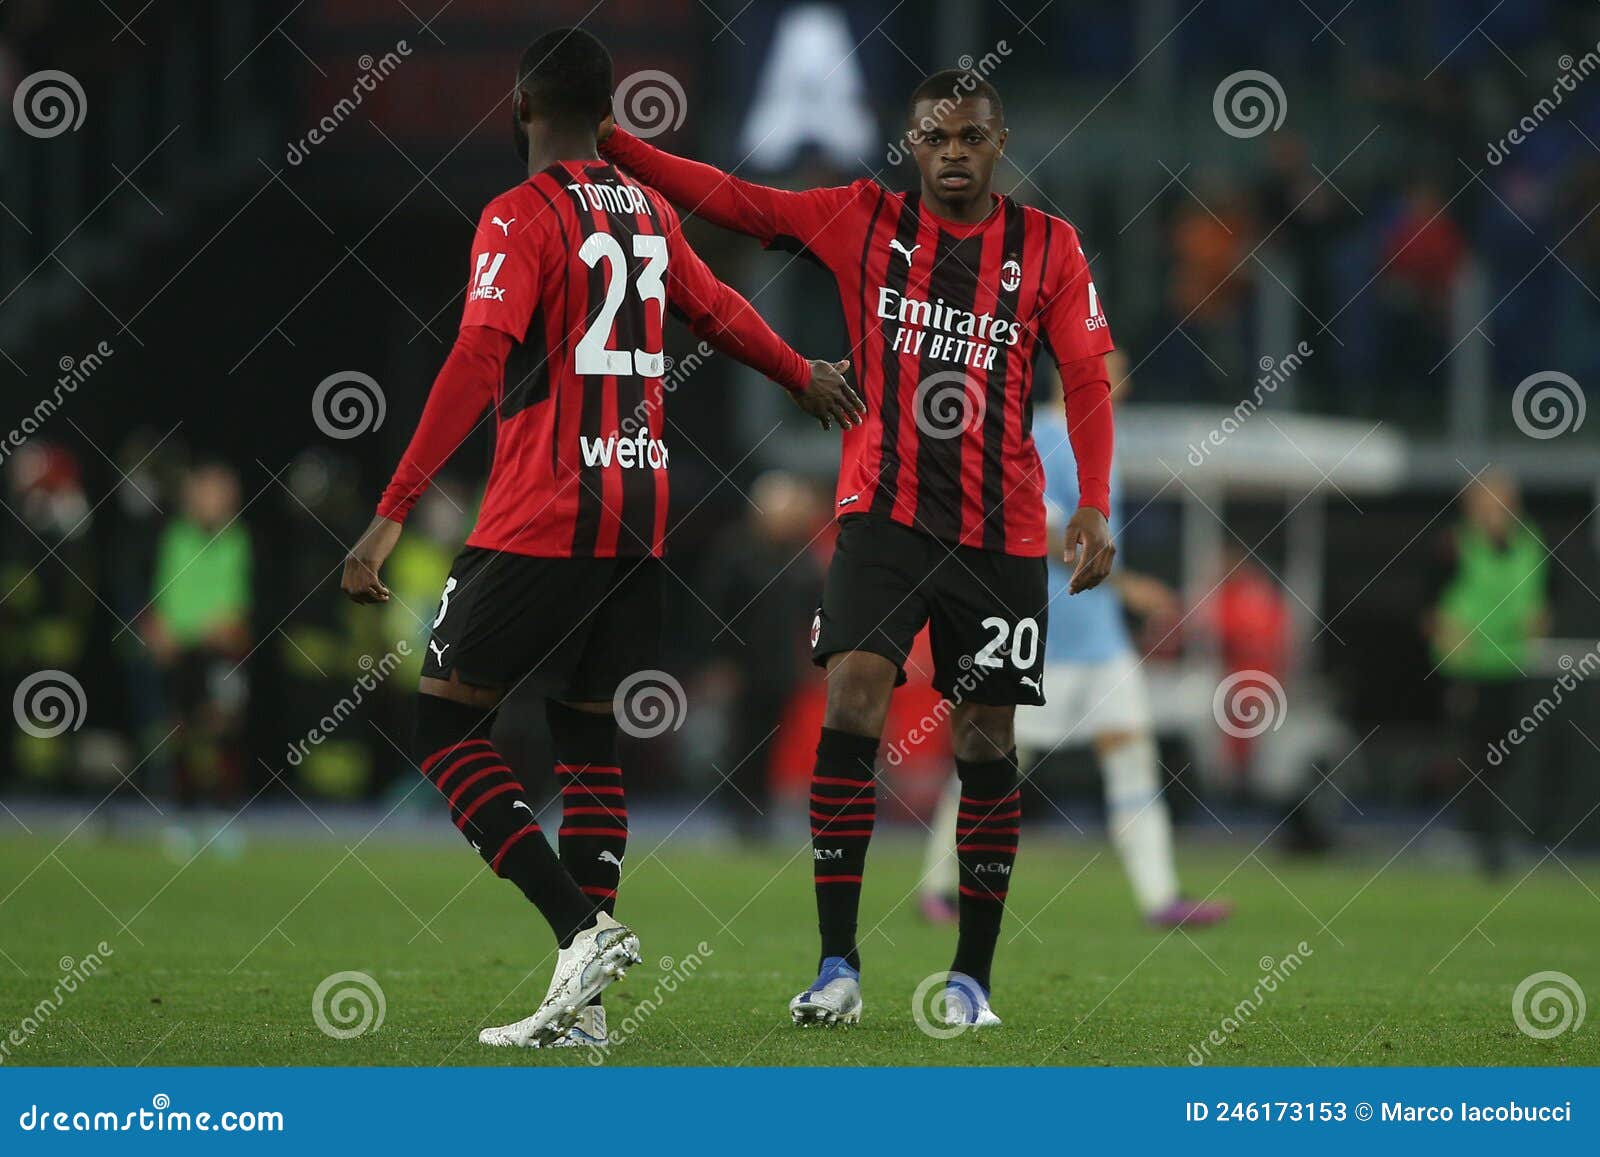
(1087,627)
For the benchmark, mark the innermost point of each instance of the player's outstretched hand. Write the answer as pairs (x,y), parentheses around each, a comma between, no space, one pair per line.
(828,397)
(605,127)
(1089,549)
(366,558)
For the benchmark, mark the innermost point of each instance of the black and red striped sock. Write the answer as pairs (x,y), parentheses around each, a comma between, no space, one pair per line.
(843,807)
(594,812)
(987,826)
(489,807)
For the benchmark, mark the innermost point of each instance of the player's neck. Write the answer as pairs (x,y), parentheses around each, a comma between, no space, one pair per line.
(967,213)
(546,149)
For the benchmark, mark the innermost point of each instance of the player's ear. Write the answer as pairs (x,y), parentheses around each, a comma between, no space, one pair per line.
(1000,140)
(519,122)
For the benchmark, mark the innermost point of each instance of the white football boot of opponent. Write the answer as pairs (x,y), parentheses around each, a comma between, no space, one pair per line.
(833,998)
(597,956)
(967,1003)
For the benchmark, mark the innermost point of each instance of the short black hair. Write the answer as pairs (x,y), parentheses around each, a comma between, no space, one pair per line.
(567,76)
(953,84)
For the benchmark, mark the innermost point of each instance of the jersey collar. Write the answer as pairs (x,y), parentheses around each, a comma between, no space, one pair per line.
(957,228)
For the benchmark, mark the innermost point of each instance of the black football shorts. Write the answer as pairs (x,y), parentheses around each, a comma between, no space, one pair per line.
(578,626)
(985,611)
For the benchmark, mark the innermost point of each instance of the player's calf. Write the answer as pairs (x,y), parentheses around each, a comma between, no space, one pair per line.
(843,809)
(488,806)
(988,824)
(594,813)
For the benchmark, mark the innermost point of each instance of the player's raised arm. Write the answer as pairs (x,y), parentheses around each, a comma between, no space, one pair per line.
(723,199)
(719,314)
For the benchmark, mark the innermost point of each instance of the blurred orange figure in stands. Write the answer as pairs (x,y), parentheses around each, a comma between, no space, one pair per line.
(1251,621)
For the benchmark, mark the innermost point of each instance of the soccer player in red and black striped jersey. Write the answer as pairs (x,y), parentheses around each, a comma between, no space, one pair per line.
(948,293)
(561,340)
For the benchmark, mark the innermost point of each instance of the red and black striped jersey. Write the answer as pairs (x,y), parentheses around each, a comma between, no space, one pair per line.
(945,323)
(576,267)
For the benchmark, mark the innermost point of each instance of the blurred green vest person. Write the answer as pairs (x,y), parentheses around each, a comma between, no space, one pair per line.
(203,579)
(1490,603)
(1493,605)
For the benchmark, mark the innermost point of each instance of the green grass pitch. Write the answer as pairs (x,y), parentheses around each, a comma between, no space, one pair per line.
(217,963)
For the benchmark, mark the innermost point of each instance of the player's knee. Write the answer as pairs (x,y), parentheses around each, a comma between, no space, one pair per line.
(981,733)
(456,691)
(582,732)
(856,704)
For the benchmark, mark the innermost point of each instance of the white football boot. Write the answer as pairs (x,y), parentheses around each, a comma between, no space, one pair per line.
(966,1003)
(589,1030)
(834,997)
(596,957)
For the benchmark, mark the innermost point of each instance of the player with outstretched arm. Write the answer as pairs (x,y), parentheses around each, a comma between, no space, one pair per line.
(948,293)
(560,581)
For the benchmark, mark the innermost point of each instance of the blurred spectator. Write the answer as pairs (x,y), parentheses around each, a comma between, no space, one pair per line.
(1312,217)
(1248,616)
(1423,254)
(318,648)
(1489,606)
(1252,618)
(47,602)
(764,588)
(152,469)
(1577,312)
(325,644)
(1212,232)
(198,628)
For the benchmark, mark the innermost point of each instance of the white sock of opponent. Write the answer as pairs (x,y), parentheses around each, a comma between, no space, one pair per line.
(940,869)
(1139,822)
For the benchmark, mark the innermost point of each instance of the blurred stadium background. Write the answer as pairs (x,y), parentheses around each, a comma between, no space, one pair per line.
(1329,317)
